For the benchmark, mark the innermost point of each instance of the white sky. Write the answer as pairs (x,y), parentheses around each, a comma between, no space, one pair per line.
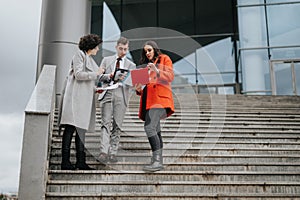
(19,22)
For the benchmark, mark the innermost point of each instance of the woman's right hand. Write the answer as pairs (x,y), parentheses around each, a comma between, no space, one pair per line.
(138,87)
(100,71)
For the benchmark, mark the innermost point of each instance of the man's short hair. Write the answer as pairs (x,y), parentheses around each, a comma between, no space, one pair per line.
(122,40)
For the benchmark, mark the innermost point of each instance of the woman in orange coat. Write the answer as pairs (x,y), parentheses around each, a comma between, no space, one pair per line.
(156,100)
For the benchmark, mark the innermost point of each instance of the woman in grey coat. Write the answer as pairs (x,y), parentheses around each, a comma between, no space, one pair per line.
(78,111)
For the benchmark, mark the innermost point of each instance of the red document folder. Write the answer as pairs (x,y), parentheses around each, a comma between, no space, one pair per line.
(140,76)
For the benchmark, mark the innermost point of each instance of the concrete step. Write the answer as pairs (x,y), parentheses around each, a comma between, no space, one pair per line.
(181,114)
(209,177)
(202,152)
(163,187)
(196,166)
(236,116)
(211,133)
(210,128)
(204,121)
(191,144)
(171,158)
(199,137)
(215,147)
(174,196)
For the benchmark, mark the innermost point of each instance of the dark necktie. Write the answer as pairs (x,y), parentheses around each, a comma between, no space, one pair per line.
(118,63)
(117,68)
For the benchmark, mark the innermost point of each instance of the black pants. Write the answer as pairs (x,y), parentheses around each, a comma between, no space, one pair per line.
(79,143)
(152,127)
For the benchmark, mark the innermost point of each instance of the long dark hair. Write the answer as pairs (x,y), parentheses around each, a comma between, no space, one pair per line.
(157,52)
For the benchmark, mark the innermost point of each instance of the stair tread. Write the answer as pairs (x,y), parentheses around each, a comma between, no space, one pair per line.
(150,182)
(139,194)
(165,172)
(204,163)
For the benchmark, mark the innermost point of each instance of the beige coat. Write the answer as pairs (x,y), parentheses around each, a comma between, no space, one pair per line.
(78,104)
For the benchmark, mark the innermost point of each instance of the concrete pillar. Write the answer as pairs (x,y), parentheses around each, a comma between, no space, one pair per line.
(63,22)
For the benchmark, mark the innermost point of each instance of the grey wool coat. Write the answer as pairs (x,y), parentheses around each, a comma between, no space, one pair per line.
(78,101)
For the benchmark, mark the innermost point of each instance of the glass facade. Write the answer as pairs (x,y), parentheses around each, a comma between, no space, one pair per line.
(269,46)
(223,46)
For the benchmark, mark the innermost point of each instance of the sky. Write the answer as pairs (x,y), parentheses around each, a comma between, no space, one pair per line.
(19,36)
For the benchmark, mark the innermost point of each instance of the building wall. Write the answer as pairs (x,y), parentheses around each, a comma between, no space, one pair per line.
(219,42)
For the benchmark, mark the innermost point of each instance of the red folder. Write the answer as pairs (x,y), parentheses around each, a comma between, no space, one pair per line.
(140,76)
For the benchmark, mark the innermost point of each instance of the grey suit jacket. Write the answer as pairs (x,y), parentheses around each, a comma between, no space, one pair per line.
(108,63)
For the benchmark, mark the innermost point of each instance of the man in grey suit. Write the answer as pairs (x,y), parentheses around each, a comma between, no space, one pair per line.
(113,102)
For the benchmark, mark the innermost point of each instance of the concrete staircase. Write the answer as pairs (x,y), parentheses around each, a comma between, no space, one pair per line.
(215,147)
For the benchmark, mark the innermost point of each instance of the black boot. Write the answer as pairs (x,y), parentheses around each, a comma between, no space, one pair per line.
(80,151)
(65,148)
(157,159)
(161,144)
(157,163)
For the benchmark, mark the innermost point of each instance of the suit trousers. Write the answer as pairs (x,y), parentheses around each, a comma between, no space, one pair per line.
(112,108)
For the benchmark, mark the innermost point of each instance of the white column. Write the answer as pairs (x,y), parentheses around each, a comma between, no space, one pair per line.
(63,22)
(252,30)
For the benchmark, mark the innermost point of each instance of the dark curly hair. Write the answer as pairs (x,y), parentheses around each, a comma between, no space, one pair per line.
(89,41)
(157,52)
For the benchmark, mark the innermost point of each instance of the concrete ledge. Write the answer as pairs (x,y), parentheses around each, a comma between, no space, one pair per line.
(41,99)
(37,131)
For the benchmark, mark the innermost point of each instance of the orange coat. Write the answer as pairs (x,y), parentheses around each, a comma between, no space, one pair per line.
(159,92)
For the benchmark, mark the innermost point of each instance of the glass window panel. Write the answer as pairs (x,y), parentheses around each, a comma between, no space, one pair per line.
(297,72)
(185,65)
(249,2)
(97,19)
(281,1)
(283,78)
(195,18)
(228,78)
(183,79)
(137,15)
(115,7)
(207,90)
(256,71)
(252,27)
(226,90)
(210,79)
(214,16)
(221,52)
(213,79)
(285,53)
(177,15)
(189,89)
(219,79)
(284,26)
